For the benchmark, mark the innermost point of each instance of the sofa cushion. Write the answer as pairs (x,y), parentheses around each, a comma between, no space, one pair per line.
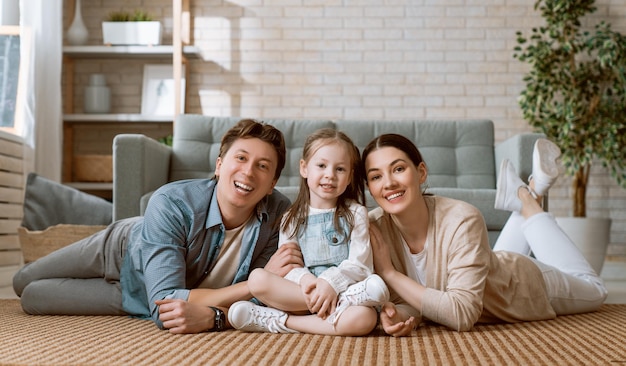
(458,154)
(47,203)
(196,145)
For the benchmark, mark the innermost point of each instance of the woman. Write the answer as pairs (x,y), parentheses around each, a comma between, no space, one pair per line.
(434,254)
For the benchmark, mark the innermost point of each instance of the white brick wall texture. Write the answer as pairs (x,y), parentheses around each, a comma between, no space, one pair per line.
(388,59)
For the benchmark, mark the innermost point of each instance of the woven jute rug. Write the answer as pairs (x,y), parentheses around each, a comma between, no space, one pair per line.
(597,338)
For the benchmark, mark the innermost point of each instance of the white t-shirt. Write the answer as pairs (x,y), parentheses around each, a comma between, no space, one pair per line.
(416,263)
(225,269)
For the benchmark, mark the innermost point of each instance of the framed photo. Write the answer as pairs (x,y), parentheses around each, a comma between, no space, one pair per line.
(158,90)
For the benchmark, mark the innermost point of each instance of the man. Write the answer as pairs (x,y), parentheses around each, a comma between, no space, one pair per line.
(186,260)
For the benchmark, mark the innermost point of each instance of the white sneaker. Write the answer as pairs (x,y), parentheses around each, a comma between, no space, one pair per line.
(508,186)
(248,317)
(372,291)
(545,167)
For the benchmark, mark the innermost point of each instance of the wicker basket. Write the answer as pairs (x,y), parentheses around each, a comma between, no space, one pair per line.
(93,168)
(36,244)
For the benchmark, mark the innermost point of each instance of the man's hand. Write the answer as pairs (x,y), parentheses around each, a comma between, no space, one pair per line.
(394,322)
(179,316)
(286,258)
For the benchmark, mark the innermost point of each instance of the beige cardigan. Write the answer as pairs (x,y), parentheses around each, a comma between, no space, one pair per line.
(466,281)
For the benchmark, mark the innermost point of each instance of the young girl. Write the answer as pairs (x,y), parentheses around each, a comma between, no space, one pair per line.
(330,225)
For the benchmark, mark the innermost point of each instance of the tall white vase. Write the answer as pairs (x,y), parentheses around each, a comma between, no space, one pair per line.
(77,33)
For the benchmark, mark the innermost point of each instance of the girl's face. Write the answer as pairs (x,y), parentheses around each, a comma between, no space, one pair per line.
(328,172)
(393,180)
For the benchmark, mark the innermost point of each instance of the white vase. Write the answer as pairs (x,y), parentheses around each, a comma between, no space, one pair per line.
(77,33)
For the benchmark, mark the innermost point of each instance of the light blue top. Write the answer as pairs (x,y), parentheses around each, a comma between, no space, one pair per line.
(177,243)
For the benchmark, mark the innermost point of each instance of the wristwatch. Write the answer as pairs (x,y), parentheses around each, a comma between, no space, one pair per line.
(219,320)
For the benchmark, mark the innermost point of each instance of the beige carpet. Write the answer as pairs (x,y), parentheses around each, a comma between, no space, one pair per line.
(589,339)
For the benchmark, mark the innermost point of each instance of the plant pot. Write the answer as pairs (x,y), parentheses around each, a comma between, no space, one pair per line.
(591,236)
(132,33)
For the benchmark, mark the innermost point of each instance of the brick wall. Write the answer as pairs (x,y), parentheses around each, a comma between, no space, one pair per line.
(359,59)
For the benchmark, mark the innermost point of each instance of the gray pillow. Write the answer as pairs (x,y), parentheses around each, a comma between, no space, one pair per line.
(47,203)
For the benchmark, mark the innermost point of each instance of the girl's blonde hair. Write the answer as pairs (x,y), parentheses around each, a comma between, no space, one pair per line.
(297,215)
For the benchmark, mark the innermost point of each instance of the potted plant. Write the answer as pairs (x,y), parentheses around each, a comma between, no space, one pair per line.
(125,28)
(576,95)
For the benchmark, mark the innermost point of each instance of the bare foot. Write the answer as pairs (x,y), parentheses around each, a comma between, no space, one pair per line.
(539,199)
(530,205)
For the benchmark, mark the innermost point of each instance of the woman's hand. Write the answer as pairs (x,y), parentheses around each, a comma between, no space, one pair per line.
(380,251)
(179,316)
(394,322)
(286,258)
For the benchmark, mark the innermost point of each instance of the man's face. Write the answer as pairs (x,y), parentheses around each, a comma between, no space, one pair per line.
(246,173)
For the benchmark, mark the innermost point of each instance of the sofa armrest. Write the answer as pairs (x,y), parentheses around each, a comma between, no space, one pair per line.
(140,165)
(518,149)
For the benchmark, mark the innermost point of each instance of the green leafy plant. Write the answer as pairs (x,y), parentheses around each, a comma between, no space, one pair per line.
(125,16)
(167,140)
(576,91)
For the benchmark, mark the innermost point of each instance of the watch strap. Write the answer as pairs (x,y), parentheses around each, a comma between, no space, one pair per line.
(218,324)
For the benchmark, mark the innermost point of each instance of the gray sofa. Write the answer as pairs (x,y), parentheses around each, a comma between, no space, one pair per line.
(462,158)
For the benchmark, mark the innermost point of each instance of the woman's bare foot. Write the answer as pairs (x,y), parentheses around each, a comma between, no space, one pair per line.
(531,205)
(539,198)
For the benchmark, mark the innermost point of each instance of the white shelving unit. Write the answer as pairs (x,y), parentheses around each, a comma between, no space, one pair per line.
(179,52)
(86,52)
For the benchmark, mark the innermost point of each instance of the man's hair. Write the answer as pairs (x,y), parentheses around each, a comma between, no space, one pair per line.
(249,128)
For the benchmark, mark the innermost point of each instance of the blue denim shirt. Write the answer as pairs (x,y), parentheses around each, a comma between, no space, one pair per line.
(176,244)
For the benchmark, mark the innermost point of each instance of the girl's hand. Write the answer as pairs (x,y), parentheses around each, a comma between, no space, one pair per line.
(394,322)
(307,285)
(380,251)
(323,299)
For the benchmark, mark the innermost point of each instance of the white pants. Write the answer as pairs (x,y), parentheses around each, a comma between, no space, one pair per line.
(572,285)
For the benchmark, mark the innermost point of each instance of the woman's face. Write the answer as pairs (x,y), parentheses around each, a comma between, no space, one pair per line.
(393,180)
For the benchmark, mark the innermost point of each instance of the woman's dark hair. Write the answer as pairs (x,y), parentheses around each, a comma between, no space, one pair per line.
(394,140)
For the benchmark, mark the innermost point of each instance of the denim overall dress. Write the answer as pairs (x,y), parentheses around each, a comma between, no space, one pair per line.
(321,245)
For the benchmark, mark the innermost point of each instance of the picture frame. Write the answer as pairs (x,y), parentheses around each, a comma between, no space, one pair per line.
(157,97)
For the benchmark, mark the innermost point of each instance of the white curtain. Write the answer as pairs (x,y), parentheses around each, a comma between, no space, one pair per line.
(42,22)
